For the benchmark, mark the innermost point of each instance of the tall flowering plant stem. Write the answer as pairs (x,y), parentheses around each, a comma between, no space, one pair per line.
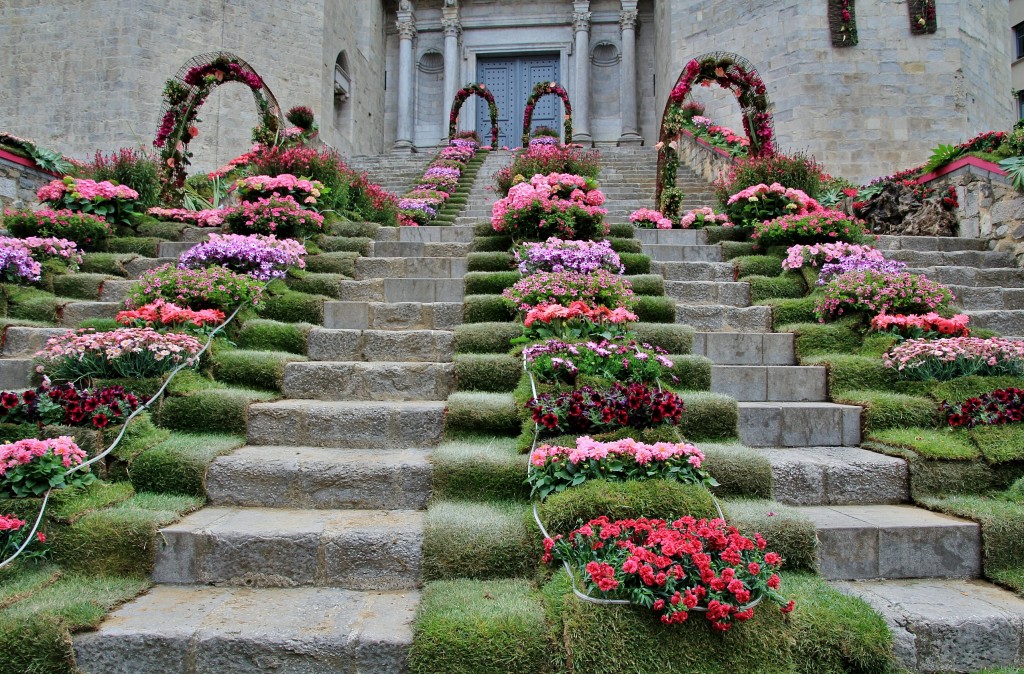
(473,89)
(540,90)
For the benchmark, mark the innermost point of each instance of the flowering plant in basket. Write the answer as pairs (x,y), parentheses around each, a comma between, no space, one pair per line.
(88,231)
(824,225)
(555,469)
(32,467)
(12,537)
(163,314)
(591,410)
(126,352)
(281,216)
(265,258)
(620,359)
(702,217)
(68,405)
(761,202)
(556,255)
(114,203)
(600,287)
(879,292)
(646,218)
(576,321)
(915,326)
(1002,406)
(210,288)
(953,357)
(674,567)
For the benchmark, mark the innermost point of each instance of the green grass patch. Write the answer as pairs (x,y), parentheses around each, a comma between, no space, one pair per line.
(669,336)
(486,337)
(486,309)
(890,410)
(757,265)
(787,286)
(814,339)
(69,505)
(328,285)
(352,229)
(647,284)
(341,262)
(709,417)
(621,230)
(929,443)
(1000,444)
(490,282)
(692,372)
(636,263)
(214,410)
(786,311)
(734,249)
(82,286)
(487,372)
(145,246)
(267,335)
(168,231)
(352,244)
(252,369)
(463,539)
(477,413)
(178,465)
(625,245)
(479,468)
(106,263)
(960,389)
(294,307)
(740,471)
(655,309)
(848,372)
(787,531)
(494,261)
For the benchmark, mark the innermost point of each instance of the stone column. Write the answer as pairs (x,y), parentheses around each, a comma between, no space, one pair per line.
(406,32)
(452,27)
(581,95)
(627,92)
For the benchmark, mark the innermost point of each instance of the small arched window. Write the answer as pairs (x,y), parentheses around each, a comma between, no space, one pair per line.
(342,80)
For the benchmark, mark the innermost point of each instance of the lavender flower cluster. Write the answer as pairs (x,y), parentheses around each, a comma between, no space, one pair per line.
(265,258)
(17,265)
(556,255)
(857,263)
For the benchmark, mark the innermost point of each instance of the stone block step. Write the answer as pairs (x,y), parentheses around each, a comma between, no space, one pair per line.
(432,346)
(709,292)
(419,249)
(1002,321)
(284,547)
(958,258)
(798,424)
(970,276)
(948,625)
(975,298)
(360,380)
(116,290)
(677,253)
(720,318)
(772,383)
(410,267)
(175,629)
(75,312)
(685,237)
(318,478)
(430,234)
(173,248)
(695,271)
(15,373)
(395,316)
(396,290)
(351,425)
(746,348)
(894,541)
(136,267)
(836,476)
(24,342)
(930,243)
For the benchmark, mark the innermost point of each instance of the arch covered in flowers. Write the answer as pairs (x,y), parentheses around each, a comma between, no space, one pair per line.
(184,95)
(540,90)
(731,72)
(473,89)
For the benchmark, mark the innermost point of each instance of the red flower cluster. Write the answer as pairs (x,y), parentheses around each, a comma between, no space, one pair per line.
(588,410)
(675,567)
(950,202)
(161,313)
(68,405)
(916,326)
(1002,406)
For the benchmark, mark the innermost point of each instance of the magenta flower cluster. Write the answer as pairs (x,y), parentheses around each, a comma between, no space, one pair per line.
(599,287)
(44,248)
(878,292)
(17,265)
(265,258)
(558,203)
(211,217)
(285,184)
(855,263)
(819,253)
(281,216)
(649,219)
(82,188)
(952,357)
(556,255)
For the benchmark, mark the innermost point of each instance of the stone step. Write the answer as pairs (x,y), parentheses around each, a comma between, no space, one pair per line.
(727,293)
(893,541)
(394,316)
(319,478)
(975,298)
(720,318)
(136,267)
(15,373)
(398,290)
(958,258)
(685,237)
(1002,321)
(410,267)
(420,248)
(24,342)
(116,290)
(429,234)
(176,629)
(930,243)
(836,476)
(360,380)
(431,346)
(174,248)
(285,547)
(695,271)
(350,425)
(746,348)
(76,312)
(768,383)
(948,625)
(798,424)
(677,253)
(971,276)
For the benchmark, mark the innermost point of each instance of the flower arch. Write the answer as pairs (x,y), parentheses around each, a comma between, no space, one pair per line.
(474,89)
(731,72)
(543,89)
(184,95)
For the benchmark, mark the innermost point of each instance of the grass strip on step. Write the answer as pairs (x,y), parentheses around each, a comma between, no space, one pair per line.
(479,468)
(487,372)
(480,540)
(212,410)
(787,286)
(741,471)
(476,413)
(268,335)
(263,370)
(178,465)
(757,265)
(813,338)
(890,410)
(929,443)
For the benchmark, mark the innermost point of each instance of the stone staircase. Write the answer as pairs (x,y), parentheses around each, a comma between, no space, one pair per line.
(396,172)
(628,181)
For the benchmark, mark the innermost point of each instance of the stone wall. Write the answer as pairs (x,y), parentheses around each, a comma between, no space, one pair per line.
(989,208)
(18,184)
(703,160)
(864,111)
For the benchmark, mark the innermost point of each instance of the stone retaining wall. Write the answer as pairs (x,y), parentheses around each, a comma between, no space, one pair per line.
(703,159)
(18,184)
(990,208)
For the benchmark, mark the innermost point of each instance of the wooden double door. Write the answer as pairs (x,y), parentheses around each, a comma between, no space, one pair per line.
(511,79)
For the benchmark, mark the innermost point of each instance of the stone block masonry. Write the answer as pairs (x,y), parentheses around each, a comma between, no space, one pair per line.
(18,184)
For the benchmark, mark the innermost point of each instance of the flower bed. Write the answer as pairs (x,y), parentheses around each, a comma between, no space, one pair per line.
(879,292)
(645,218)
(254,188)
(859,263)
(821,253)
(591,410)
(48,248)
(211,217)
(17,265)
(809,228)
(33,467)
(163,314)
(555,469)
(672,568)
(618,360)
(561,204)
(67,405)
(916,326)
(210,288)
(545,159)
(576,321)
(556,255)
(953,357)
(126,352)
(280,216)
(88,231)
(12,537)
(114,203)
(264,258)
(702,217)
(599,287)
(439,181)
(1002,406)
(760,203)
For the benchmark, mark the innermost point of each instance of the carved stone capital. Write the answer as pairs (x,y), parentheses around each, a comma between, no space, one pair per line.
(451,26)
(581,21)
(627,20)
(406,29)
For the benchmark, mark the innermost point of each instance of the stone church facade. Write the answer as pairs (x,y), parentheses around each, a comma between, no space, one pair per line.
(380,74)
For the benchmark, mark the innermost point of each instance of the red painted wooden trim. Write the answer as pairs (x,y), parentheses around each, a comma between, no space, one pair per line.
(25,162)
(716,150)
(960,163)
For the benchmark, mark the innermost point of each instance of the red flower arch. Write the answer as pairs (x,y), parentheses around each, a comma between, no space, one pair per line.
(474,89)
(543,89)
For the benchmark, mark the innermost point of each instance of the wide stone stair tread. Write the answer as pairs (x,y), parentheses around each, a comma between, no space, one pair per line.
(781,383)
(24,342)
(410,267)
(420,248)
(349,424)
(893,541)
(685,237)
(361,380)
(723,318)
(1003,277)
(236,630)
(682,253)
(1003,321)
(987,298)
(695,271)
(426,234)
(392,316)
(836,476)
(799,424)
(957,258)
(432,346)
(948,625)
(709,292)
(317,478)
(396,290)
(930,243)
(746,348)
(286,547)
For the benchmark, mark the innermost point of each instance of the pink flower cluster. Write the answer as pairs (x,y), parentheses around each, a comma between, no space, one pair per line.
(123,341)
(48,247)
(549,194)
(587,448)
(22,452)
(820,253)
(800,203)
(877,292)
(650,219)
(82,188)
(922,323)
(545,313)
(459,153)
(284,184)
(992,352)
(163,313)
(704,216)
(211,217)
(10,523)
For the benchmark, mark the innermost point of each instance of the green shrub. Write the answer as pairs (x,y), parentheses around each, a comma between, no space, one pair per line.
(647,284)
(875,344)
(477,540)
(82,286)
(787,286)
(741,472)
(621,230)
(653,309)
(146,246)
(178,465)
(620,245)
(159,229)
(786,529)
(487,372)
(671,337)
(252,369)
(734,249)
(486,309)
(482,413)
(351,229)
(497,261)
(266,335)
(338,244)
(479,468)
(797,310)
(485,337)
(490,282)
(709,417)
(327,285)
(693,372)
(890,410)
(758,265)
(341,262)
(491,244)
(798,171)
(813,338)
(213,410)
(636,263)
(106,263)
(720,234)
(294,307)
(847,372)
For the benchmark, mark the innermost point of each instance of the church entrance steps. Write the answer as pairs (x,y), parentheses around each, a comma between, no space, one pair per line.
(348,425)
(746,348)
(238,630)
(722,318)
(709,292)
(766,383)
(695,271)
(285,547)
(396,173)
(429,346)
(394,316)
(321,478)
(403,267)
(807,476)
(799,424)
(358,380)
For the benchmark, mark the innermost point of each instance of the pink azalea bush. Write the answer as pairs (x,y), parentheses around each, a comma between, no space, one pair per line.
(704,216)
(953,357)
(558,204)
(554,469)
(556,255)
(875,292)
(647,218)
(281,216)
(817,254)
(264,258)
(115,203)
(305,191)
(32,467)
(600,287)
(211,217)
(808,228)
(761,202)
(126,352)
